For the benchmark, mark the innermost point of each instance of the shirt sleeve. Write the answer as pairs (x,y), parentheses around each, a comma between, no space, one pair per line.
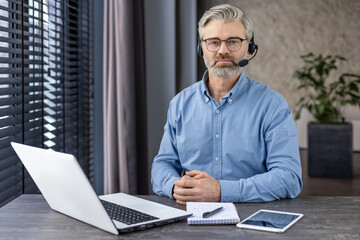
(283,179)
(166,167)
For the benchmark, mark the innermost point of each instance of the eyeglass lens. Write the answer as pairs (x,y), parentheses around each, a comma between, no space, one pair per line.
(233,44)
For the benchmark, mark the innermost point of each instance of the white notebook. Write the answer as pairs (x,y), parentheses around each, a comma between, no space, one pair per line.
(228,214)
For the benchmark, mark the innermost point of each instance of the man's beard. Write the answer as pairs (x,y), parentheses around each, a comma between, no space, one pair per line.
(225,71)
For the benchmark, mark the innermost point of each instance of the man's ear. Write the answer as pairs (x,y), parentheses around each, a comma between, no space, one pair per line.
(248,54)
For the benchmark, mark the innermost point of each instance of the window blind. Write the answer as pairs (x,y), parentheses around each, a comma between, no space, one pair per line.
(46,85)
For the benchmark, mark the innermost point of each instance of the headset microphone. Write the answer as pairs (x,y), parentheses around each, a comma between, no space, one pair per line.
(253,50)
(243,63)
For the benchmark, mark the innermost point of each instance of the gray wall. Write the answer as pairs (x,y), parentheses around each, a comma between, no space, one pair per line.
(170,43)
(286,29)
(160,67)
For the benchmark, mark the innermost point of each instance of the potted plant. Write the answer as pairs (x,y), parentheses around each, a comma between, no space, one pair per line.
(330,137)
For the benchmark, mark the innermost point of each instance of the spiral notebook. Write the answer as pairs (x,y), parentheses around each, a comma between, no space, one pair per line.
(228,214)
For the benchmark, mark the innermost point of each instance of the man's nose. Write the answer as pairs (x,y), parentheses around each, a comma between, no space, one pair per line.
(223,48)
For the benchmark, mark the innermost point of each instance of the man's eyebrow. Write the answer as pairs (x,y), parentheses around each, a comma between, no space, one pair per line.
(211,38)
(225,39)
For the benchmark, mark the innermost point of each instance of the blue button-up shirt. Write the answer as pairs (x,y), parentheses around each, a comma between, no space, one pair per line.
(248,142)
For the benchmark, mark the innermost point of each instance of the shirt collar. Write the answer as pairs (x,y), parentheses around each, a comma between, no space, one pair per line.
(204,90)
(233,93)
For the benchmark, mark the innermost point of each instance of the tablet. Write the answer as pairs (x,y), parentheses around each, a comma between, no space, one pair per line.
(272,221)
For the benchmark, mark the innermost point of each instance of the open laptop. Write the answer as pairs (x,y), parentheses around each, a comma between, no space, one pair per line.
(66,189)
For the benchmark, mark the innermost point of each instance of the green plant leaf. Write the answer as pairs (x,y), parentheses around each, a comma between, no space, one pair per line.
(301,86)
(343,102)
(298,114)
(324,99)
(353,87)
(354,96)
(333,67)
(341,58)
(342,80)
(307,55)
(350,75)
(300,100)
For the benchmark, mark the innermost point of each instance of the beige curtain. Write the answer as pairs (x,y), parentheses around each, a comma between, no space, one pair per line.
(119,106)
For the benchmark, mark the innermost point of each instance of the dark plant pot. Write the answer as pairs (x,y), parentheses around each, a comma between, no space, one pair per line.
(330,150)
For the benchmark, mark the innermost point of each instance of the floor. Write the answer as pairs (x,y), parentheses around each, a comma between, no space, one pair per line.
(331,186)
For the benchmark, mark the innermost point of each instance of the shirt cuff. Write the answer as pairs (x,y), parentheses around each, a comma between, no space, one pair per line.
(168,186)
(230,191)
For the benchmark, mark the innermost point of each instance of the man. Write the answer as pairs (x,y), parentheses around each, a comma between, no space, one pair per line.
(227,138)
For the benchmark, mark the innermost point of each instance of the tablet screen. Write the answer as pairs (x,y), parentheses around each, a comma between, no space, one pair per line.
(270,220)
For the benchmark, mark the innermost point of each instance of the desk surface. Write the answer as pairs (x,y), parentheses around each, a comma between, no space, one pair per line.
(30,217)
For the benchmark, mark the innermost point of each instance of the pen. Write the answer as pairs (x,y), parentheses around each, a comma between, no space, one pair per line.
(208,214)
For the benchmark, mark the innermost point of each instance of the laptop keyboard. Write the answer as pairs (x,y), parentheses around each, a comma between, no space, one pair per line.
(125,215)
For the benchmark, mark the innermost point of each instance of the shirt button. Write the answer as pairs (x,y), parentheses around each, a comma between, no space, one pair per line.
(217,111)
(207,100)
(217,135)
(217,159)
(230,100)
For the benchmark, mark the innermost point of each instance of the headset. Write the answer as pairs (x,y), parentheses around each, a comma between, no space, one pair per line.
(252,49)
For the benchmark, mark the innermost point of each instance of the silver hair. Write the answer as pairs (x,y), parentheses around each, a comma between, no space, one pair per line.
(226,13)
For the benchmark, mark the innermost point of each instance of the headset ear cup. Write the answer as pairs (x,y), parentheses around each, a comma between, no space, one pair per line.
(199,48)
(252,46)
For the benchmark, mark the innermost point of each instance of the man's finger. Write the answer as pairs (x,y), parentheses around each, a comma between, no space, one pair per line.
(193,173)
(184,191)
(185,182)
(196,174)
(201,175)
(184,198)
(181,202)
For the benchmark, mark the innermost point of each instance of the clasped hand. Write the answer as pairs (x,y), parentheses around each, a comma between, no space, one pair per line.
(197,186)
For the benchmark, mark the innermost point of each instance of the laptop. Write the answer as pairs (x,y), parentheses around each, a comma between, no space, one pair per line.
(67,190)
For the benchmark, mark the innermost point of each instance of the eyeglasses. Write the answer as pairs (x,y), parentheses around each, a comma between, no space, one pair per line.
(214,44)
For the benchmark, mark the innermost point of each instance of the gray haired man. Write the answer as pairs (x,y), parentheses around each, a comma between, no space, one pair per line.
(234,138)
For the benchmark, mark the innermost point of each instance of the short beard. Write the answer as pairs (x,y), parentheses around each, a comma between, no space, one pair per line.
(223,72)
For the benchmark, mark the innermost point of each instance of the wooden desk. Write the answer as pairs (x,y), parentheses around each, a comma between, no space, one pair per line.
(30,217)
